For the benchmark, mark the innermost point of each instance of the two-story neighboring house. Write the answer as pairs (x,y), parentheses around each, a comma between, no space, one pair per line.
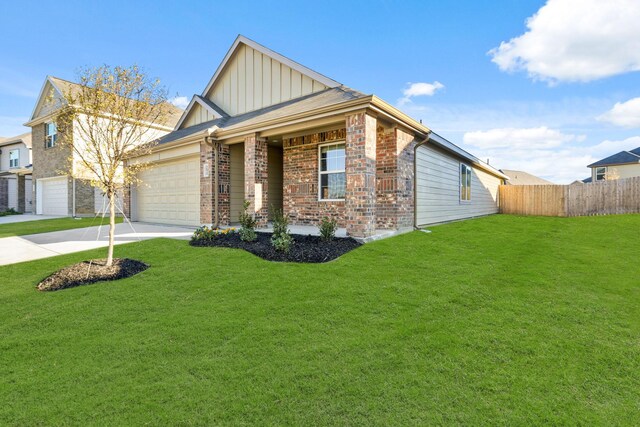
(625,164)
(15,173)
(56,192)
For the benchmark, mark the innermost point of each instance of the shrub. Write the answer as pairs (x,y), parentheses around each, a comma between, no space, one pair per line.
(10,211)
(208,234)
(248,223)
(281,239)
(328,227)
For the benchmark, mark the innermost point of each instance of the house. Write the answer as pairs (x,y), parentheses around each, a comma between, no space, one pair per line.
(275,133)
(523,178)
(15,173)
(625,164)
(55,191)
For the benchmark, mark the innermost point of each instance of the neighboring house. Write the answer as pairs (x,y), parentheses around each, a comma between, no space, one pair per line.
(15,173)
(625,164)
(56,192)
(523,178)
(271,131)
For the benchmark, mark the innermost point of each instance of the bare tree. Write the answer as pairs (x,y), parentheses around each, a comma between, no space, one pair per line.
(112,113)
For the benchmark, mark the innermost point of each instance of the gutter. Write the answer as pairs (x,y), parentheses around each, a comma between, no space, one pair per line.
(415,178)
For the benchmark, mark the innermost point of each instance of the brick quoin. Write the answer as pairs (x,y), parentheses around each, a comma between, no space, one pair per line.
(360,201)
(256,178)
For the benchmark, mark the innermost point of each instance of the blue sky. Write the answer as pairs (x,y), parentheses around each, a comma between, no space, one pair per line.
(548,95)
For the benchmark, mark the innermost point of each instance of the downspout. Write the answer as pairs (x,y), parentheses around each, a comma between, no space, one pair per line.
(415,179)
(215,145)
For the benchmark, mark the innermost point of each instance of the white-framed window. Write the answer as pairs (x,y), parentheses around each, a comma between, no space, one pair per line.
(601,174)
(465,183)
(14,158)
(332,177)
(50,134)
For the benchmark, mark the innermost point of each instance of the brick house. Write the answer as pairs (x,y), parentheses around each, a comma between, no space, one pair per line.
(271,131)
(55,191)
(15,173)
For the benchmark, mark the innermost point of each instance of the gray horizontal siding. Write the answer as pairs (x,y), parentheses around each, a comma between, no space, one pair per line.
(438,189)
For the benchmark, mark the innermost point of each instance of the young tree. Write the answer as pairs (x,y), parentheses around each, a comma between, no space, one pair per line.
(112,113)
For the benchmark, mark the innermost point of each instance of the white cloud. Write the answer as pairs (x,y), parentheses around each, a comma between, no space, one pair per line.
(419,89)
(517,138)
(548,153)
(180,101)
(625,114)
(576,40)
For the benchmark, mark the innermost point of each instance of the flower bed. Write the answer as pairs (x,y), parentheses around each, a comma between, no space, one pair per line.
(307,249)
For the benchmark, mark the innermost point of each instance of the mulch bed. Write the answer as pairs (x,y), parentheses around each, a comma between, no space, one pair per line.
(93,271)
(309,249)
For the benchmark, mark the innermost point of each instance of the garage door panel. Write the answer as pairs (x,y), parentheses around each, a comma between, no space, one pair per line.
(169,193)
(55,199)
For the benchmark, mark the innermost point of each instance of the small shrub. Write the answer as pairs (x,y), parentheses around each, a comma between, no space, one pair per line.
(248,223)
(282,242)
(10,211)
(281,239)
(328,227)
(207,234)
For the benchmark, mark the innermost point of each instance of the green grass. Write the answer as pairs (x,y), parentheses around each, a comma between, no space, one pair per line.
(47,225)
(501,320)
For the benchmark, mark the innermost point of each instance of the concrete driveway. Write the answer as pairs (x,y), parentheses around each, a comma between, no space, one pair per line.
(36,246)
(25,217)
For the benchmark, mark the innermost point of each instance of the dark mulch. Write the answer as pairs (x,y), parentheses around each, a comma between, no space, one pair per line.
(87,272)
(310,249)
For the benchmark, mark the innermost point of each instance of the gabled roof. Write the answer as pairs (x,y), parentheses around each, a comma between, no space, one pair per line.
(266,51)
(329,97)
(25,138)
(61,86)
(523,178)
(208,105)
(621,158)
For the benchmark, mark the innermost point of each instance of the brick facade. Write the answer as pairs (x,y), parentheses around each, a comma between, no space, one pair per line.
(300,195)
(394,178)
(360,200)
(256,178)
(207,196)
(4,194)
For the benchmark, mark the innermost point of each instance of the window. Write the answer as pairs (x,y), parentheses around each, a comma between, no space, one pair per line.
(333,179)
(465,182)
(601,174)
(50,135)
(14,158)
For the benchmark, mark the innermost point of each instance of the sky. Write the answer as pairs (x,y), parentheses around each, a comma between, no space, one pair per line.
(542,86)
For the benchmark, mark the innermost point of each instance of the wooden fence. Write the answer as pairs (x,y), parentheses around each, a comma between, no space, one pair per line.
(598,198)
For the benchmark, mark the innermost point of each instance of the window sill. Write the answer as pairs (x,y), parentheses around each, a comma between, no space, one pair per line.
(331,200)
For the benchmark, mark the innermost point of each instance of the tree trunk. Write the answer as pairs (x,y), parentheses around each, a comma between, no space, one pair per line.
(112,225)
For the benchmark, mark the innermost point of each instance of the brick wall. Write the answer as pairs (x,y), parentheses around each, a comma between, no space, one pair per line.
(207,197)
(4,194)
(300,169)
(256,185)
(360,201)
(85,198)
(49,162)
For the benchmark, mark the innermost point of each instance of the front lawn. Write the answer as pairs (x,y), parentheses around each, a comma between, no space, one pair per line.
(48,225)
(501,320)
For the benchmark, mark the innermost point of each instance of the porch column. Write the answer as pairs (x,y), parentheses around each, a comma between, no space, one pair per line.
(206,184)
(256,178)
(360,198)
(21,198)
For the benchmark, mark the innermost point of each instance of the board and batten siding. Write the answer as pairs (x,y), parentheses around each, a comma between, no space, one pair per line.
(438,189)
(252,80)
(197,115)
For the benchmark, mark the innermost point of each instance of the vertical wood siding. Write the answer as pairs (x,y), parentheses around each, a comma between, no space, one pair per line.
(252,81)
